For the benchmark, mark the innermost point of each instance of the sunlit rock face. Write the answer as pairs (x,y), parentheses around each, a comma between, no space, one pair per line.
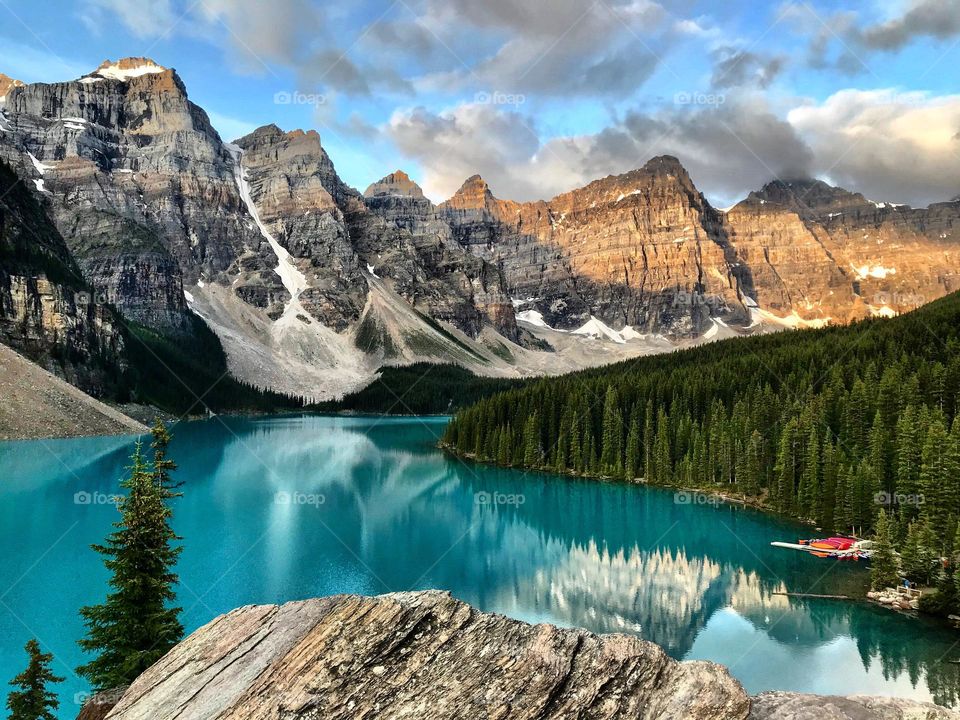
(625,248)
(826,253)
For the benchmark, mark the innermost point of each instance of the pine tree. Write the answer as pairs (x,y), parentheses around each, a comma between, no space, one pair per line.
(649,434)
(505,449)
(134,627)
(33,701)
(632,461)
(810,476)
(610,455)
(162,465)
(883,563)
(662,458)
(920,555)
(750,484)
(827,501)
(532,452)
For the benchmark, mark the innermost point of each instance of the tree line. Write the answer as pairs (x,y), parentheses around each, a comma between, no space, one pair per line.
(845,427)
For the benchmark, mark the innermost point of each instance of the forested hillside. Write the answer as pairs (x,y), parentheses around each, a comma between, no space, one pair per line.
(830,425)
(420,389)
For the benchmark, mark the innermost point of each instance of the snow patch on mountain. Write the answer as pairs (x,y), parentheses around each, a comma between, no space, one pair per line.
(534,317)
(597,328)
(119,70)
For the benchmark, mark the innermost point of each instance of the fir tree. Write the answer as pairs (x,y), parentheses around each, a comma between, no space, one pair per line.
(33,701)
(883,563)
(135,626)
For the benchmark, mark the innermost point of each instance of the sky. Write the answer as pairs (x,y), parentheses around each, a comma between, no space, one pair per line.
(540,97)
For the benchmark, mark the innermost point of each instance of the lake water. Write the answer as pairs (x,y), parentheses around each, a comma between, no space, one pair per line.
(285,508)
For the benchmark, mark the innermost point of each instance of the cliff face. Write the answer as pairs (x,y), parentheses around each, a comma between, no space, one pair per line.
(47,312)
(645,249)
(137,182)
(642,249)
(428,655)
(843,256)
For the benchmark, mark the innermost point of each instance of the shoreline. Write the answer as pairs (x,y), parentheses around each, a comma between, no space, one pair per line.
(713,493)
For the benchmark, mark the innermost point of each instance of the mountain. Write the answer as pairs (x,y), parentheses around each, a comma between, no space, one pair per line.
(311,286)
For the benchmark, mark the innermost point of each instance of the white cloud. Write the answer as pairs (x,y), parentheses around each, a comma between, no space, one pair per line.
(143,19)
(901,147)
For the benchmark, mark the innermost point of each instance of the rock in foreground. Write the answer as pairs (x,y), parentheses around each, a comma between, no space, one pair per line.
(426,655)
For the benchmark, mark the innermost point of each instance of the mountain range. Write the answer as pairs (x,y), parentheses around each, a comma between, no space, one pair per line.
(122,205)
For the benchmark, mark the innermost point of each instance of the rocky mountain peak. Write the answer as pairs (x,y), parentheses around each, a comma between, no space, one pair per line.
(6,84)
(665,164)
(808,193)
(474,194)
(396,183)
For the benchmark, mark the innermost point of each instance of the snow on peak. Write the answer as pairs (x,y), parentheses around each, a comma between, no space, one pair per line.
(128,68)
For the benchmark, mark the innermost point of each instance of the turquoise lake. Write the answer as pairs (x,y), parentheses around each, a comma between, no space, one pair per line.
(285,508)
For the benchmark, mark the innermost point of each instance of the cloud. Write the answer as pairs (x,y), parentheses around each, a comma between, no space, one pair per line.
(892,146)
(842,41)
(143,19)
(471,138)
(728,151)
(938,19)
(333,69)
(738,68)
(259,33)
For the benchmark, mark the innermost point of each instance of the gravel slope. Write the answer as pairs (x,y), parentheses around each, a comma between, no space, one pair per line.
(36,404)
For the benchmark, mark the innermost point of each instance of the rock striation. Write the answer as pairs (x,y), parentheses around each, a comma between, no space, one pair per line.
(428,655)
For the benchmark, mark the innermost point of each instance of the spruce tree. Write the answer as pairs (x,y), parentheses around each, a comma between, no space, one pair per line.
(135,626)
(33,701)
(883,563)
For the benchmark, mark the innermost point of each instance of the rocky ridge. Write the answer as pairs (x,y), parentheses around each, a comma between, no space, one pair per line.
(428,655)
